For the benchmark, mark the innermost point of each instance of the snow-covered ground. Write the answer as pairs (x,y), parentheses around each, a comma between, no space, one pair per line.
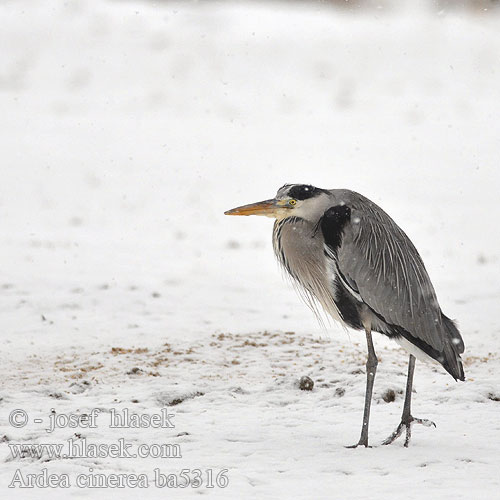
(128,128)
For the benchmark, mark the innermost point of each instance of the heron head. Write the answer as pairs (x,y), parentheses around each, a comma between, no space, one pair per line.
(292,200)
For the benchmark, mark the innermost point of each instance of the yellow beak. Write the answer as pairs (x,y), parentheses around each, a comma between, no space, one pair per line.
(267,207)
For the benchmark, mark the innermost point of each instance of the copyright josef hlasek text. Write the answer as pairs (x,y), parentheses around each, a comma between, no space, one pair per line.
(79,446)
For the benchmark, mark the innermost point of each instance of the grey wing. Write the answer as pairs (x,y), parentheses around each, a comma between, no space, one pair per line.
(389,274)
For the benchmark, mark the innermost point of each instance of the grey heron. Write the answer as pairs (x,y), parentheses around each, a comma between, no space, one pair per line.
(345,253)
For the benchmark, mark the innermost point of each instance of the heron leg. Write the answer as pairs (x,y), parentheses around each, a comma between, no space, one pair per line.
(407,420)
(371,370)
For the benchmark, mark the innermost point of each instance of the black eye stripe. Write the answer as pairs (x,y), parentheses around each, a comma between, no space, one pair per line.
(303,191)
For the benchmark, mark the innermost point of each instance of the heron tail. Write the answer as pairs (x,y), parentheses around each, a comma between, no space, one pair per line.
(452,348)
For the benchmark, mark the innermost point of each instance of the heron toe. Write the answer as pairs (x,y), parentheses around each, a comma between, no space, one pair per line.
(406,423)
(352,446)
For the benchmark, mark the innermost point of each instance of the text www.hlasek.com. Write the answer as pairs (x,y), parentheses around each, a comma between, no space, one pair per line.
(80,448)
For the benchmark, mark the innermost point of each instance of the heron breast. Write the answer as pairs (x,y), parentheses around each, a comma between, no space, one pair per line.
(300,249)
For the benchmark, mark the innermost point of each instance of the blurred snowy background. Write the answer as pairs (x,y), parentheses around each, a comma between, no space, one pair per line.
(129,127)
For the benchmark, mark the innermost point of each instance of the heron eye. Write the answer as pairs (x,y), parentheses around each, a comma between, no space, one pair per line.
(292,202)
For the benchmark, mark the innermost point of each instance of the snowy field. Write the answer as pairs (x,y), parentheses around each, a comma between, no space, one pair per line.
(127,129)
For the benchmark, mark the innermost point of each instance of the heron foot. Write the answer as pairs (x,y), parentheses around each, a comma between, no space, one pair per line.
(363,441)
(352,446)
(407,423)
